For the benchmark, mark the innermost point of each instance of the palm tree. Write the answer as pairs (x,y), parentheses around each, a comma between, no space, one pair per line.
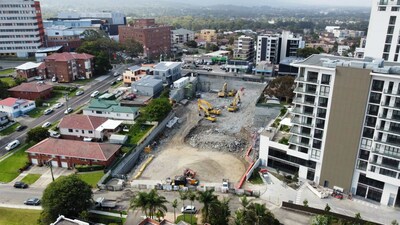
(159,214)
(207,198)
(259,214)
(140,202)
(156,202)
(175,205)
(191,196)
(183,197)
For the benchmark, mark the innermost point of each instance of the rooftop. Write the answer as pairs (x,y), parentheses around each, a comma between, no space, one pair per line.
(28,66)
(109,106)
(66,56)
(62,220)
(49,49)
(81,122)
(32,87)
(166,65)
(182,31)
(75,149)
(13,101)
(147,81)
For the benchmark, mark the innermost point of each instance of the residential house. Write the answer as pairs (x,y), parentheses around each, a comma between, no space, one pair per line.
(135,73)
(78,126)
(149,221)
(3,119)
(168,71)
(69,153)
(69,66)
(31,91)
(110,109)
(30,70)
(15,107)
(147,86)
(62,220)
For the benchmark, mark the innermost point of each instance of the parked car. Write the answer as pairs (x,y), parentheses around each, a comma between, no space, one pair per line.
(79,93)
(32,201)
(54,79)
(130,96)
(10,146)
(38,78)
(20,184)
(48,111)
(87,139)
(68,111)
(58,105)
(21,128)
(189,209)
(95,94)
(116,74)
(46,125)
(54,134)
(119,78)
(40,82)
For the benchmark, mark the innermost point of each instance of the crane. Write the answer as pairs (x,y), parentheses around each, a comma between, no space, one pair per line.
(234,105)
(206,113)
(222,93)
(209,107)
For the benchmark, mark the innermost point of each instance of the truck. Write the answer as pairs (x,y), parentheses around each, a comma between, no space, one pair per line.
(102,202)
(225,185)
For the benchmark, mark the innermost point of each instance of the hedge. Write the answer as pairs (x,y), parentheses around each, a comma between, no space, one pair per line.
(86,168)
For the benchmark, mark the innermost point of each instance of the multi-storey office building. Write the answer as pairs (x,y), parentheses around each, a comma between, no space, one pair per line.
(244,48)
(384,27)
(21,27)
(346,127)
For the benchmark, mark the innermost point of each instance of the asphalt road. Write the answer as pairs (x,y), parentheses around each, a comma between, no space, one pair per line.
(74,103)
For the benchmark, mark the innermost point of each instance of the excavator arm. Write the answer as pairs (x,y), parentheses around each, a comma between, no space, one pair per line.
(206,113)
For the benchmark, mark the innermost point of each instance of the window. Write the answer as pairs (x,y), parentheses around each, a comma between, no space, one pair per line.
(388,40)
(315,154)
(326,78)
(390,30)
(377,85)
(90,132)
(83,131)
(392,20)
(70,130)
(324,90)
(366,144)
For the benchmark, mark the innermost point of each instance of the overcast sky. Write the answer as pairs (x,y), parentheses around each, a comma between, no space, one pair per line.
(362,3)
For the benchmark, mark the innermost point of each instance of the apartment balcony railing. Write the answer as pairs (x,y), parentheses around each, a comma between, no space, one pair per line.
(306,91)
(386,153)
(387,142)
(302,112)
(373,162)
(299,122)
(391,92)
(298,132)
(394,131)
(295,141)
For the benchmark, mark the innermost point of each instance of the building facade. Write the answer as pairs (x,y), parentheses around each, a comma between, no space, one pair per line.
(135,73)
(384,27)
(168,72)
(155,38)
(69,66)
(31,91)
(208,35)
(181,36)
(69,38)
(110,109)
(21,27)
(15,107)
(343,135)
(276,47)
(30,70)
(147,86)
(244,48)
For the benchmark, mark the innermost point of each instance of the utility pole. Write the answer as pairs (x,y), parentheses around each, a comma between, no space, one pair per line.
(51,168)
(66,99)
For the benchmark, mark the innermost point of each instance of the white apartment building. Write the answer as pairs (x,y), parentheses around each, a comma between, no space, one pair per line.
(384,27)
(345,127)
(276,47)
(21,27)
(244,48)
(342,49)
(168,72)
(181,36)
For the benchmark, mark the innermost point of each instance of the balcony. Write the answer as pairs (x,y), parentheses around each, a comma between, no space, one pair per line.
(298,132)
(388,142)
(306,91)
(314,81)
(295,141)
(302,112)
(301,79)
(303,123)
(394,131)
(391,92)
(386,153)
(373,162)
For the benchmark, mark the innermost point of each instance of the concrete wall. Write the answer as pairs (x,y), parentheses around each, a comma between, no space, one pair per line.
(349,97)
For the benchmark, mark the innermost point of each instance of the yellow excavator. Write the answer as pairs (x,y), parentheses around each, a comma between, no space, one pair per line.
(234,105)
(206,113)
(232,92)
(222,93)
(209,107)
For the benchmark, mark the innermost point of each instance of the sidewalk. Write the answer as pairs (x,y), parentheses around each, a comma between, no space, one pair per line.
(108,213)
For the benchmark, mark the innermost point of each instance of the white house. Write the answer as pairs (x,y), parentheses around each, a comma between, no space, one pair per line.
(15,107)
(110,109)
(76,126)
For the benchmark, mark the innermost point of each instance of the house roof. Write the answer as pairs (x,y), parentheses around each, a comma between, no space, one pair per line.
(49,49)
(182,31)
(75,149)
(109,106)
(66,56)
(147,81)
(32,87)
(81,122)
(166,65)
(12,101)
(109,125)
(28,66)
(149,221)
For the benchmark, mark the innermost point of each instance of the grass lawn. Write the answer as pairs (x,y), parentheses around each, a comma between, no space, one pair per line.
(8,80)
(19,216)
(6,72)
(119,83)
(186,218)
(37,112)
(83,82)
(9,167)
(9,130)
(136,132)
(31,178)
(91,178)
(105,219)
(255,177)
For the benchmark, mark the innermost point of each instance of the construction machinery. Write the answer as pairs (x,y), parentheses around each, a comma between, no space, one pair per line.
(232,93)
(206,113)
(234,105)
(222,93)
(209,107)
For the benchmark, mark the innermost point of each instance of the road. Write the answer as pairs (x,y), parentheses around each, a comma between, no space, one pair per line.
(74,103)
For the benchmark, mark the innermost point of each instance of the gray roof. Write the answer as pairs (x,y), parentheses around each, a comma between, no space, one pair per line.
(289,60)
(166,65)
(147,81)
(134,68)
(182,31)
(331,61)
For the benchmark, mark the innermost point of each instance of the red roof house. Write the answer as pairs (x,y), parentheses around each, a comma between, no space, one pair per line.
(78,126)
(31,91)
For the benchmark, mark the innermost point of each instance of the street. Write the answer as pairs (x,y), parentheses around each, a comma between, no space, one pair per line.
(74,103)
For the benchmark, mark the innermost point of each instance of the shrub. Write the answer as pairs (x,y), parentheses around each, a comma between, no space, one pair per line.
(27,165)
(86,168)
(283,111)
(284,141)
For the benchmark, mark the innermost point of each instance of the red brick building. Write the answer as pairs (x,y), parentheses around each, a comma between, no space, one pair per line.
(31,91)
(68,153)
(31,70)
(70,66)
(155,38)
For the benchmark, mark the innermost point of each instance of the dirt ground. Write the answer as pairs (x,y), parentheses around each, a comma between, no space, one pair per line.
(214,150)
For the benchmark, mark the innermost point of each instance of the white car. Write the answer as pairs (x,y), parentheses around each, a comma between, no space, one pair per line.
(119,78)
(116,74)
(47,124)
(54,134)
(68,111)
(190,209)
(79,93)
(12,145)
(95,94)
(48,111)
(58,105)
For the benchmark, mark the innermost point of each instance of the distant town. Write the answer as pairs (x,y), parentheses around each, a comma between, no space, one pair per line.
(223,115)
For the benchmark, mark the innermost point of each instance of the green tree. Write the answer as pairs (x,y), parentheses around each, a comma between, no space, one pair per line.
(191,196)
(174,205)
(3,90)
(327,208)
(305,203)
(320,220)
(212,47)
(92,35)
(259,214)
(37,134)
(20,80)
(191,44)
(157,109)
(220,212)
(306,52)
(133,47)
(140,202)
(183,197)
(394,222)
(281,87)
(207,198)
(156,203)
(68,196)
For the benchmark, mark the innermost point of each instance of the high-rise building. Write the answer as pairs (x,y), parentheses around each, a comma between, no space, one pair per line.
(155,38)
(244,48)
(21,27)
(275,47)
(384,25)
(345,130)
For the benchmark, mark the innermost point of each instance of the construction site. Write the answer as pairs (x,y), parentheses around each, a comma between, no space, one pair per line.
(215,129)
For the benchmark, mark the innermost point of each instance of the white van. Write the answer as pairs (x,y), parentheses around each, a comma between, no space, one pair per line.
(12,145)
